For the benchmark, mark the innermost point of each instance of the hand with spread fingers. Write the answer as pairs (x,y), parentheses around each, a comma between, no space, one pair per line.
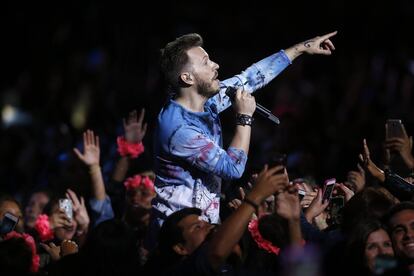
(80,214)
(134,127)
(91,151)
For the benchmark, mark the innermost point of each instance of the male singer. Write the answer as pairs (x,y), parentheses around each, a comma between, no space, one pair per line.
(190,160)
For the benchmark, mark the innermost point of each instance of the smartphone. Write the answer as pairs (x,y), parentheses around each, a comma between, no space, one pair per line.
(336,205)
(328,188)
(8,223)
(65,204)
(394,128)
(301,193)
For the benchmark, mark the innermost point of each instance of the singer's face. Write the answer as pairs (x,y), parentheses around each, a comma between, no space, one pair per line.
(204,71)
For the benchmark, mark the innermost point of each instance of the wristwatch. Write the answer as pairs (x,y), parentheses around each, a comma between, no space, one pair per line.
(244,120)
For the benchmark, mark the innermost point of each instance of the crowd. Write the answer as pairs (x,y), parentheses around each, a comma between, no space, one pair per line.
(366,227)
(78,181)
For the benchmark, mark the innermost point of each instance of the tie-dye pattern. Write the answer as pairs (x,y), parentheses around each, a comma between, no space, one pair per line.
(189,158)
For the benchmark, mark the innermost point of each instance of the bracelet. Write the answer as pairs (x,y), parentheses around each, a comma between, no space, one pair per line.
(251,203)
(126,148)
(243,119)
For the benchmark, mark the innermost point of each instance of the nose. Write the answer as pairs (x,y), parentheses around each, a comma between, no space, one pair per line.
(409,234)
(215,66)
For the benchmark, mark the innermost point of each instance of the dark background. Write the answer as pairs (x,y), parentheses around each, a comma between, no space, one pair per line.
(84,65)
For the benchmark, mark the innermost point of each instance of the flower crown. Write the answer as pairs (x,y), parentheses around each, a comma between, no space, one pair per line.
(139,181)
(261,242)
(31,244)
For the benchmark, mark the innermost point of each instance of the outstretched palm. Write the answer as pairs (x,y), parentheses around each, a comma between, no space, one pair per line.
(91,150)
(134,128)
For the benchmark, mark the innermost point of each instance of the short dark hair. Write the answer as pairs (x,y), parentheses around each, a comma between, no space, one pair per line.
(170,233)
(174,57)
(405,205)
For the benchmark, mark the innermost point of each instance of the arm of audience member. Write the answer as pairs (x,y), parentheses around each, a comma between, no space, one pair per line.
(80,214)
(369,165)
(134,129)
(403,146)
(398,186)
(288,207)
(230,232)
(90,157)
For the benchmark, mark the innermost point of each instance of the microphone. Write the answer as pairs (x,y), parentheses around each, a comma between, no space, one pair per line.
(263,111)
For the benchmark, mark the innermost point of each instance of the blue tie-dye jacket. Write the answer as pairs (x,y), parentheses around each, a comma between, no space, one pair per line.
(190,160)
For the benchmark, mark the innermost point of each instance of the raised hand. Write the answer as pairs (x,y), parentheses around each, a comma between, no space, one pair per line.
(316,207)
(91,151)
(357,178)
(59,219)
(268,182)
(134,128)
(369,165)
(80,213)
(320,45)
(402,145)
(287,203)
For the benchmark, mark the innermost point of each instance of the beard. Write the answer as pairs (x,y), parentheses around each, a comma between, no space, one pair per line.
(206,89)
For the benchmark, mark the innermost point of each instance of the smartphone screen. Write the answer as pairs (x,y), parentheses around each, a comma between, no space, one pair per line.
(328,188)
(301,193)
(394,128)
(8,223)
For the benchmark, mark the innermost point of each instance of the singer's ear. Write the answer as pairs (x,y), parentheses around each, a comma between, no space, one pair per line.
(187,78)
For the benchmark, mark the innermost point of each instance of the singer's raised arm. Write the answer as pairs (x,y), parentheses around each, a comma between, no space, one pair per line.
(261,73)
(254,77)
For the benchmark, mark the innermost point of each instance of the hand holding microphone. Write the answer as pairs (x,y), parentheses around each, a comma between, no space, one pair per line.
(244,103)
(231,93)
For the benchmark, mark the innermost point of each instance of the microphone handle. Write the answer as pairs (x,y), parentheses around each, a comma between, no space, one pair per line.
(263,111)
